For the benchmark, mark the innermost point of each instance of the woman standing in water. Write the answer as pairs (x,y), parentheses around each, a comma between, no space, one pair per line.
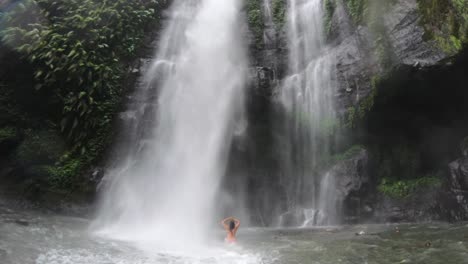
(231,224)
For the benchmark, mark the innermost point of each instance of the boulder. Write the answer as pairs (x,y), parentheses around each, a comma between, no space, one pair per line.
(351,174)
(422,205)
(457,195)
(458,177)
(352,183)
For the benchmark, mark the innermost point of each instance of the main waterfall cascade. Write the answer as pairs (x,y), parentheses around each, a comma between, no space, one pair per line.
(307,97)
(164,188)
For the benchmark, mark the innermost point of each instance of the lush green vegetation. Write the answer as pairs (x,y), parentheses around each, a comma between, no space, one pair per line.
(358,10)
(255,20)
(329,6)
(279,12)
(349,153)
(78,52)
(7,134)
(405,188)
(358,113)
(446,21)
(403,169)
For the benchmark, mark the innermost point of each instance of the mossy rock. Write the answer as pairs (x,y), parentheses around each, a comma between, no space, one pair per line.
(255,20)
(279,12)
(446,22)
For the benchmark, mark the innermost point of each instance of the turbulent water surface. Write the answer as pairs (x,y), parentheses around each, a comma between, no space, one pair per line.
(31,237)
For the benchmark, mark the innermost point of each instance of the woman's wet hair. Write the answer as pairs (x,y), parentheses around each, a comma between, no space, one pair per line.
(232,225)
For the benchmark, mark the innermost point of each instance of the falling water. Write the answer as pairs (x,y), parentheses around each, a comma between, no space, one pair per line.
(306,95)
(268,35)
(164,187)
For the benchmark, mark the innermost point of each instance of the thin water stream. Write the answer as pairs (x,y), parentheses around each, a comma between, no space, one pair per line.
(307,98)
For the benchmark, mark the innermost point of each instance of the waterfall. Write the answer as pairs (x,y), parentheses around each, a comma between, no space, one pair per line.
(180,128)
(268,35)
(307,97)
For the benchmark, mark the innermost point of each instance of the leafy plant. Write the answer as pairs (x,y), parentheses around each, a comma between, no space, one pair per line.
(59,176)
(405,188)
(79,51)
(358,9)
(255,20)
(7,133)
(279,12)
(329,6)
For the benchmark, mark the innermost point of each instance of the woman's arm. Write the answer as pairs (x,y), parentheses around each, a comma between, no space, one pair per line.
(237,221)
(223,222)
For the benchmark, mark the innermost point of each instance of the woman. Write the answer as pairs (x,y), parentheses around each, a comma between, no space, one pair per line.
(231,225)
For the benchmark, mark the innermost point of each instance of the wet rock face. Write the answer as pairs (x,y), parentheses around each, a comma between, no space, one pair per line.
(357,64)
(356,52)
(352,182)
(458,180)
(458,188)
(352,174)
(420,206)
(407,36)
(353,186)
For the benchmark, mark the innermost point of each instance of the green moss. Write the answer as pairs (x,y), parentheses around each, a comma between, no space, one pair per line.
(367,103)
(358,10)
(359,112)
(7,134)
(255,20)
(351,117)
(63,177)
(279,12)
(446,22)
(329,6)
(349,153)
(369,13)
(405,188)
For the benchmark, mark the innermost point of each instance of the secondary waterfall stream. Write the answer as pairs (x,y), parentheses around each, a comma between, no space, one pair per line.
(165,185)
(306,95)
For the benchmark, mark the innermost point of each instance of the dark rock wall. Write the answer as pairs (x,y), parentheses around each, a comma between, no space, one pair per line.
(399,92)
